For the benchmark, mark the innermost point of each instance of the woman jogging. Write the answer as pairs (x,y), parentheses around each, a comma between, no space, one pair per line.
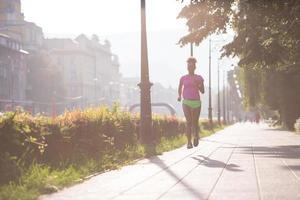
(189,88)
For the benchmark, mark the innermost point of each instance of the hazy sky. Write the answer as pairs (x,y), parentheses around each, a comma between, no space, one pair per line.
(119,21)
(105,17)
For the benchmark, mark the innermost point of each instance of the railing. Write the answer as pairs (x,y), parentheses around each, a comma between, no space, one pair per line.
(166,105)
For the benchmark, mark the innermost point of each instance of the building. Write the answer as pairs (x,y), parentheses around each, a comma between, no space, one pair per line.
(90,71)
(11,19)
(106,72)
(32,37)
(130,92)
(12,73)
(16,34)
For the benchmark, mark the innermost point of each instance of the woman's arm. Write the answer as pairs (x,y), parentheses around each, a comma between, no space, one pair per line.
(179,91)
(201,87)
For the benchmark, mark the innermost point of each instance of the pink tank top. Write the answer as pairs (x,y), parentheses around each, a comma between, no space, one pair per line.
(191,86)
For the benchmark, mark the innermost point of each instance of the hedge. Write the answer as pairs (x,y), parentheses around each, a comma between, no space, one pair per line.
(70,138)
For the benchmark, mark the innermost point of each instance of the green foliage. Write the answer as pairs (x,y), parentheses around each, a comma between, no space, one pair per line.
(266,41)
(167,144)
(297,126)
(63,151)
(14,191)
(73,138)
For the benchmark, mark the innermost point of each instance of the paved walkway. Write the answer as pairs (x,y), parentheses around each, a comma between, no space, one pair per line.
(244,161)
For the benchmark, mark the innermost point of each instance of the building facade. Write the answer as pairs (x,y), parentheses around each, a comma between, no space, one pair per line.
(12,73)
(90,71)
(11,19)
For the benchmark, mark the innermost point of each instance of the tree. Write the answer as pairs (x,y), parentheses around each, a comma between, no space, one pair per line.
(267,42)
(43,79)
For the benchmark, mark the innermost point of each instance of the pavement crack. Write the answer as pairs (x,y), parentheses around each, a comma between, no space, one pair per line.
(256,175)
(285,163)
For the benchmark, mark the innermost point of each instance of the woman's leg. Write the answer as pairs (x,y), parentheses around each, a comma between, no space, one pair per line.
(195,121)
(188,114)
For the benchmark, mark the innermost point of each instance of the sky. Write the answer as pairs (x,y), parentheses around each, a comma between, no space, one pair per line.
(119,22)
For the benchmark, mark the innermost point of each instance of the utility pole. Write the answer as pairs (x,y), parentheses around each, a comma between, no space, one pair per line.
(192,50)
(209,89)
(224,98)
(146,134)
(219,106)
(228,104)
(95,81)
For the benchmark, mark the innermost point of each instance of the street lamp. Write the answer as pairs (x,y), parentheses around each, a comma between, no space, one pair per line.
(95,85)
(111,91)
(228,102)
(209,95)
(12,81)
(209,88)
(219,107)
(192,48)
(145,85)
(224,98)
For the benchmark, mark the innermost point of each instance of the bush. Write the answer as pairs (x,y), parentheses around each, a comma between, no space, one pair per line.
(297,126)
(71,138)
(204,124)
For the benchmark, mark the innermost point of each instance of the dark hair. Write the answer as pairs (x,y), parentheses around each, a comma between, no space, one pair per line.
(191,60)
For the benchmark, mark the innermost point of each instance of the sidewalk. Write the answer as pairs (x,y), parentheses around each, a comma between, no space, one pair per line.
(244,161)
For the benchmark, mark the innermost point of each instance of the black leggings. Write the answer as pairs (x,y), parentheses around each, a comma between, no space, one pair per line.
(192,119)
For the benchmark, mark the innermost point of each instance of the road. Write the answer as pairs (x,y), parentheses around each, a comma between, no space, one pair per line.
(244,161)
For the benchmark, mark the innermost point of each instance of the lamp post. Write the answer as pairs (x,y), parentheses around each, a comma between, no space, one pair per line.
(224,98)
(12,81)
(209,88)
(95,85)
(209,95)
(219,109)
(192,50)
(228,103)
(145,85)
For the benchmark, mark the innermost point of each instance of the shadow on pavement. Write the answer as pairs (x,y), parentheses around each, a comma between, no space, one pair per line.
(208,162)
(292,167)
(288,151)
(156,160)
(275,129)
(281,152)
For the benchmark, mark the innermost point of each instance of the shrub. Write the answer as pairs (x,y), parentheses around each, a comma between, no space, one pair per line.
(71,138)
(204,124)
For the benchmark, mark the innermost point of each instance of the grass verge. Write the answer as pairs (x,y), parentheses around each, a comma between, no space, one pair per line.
(41,179)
